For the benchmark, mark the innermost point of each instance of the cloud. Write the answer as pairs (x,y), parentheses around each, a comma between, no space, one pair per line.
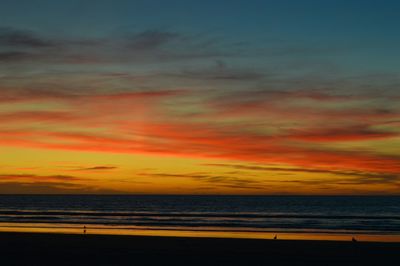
(19,38)
(146,46)
(350,133)
(37,116)
(48,184)
(50,188)
(365,177)
(76,98)
(221,72)
(303,104)
(341,180)
(15,56)
(134,95)
(96,168)
(33,177)
(391,180)
(216,180)
(202,140)
(150,39)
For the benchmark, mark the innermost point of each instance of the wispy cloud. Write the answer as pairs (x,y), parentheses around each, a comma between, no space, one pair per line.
(15,56)
(50,188)
(49,184)
(11,37)
(216,180)
(350,133)
(360,177)
(221,72)
(37,116)
(33,177)
(152,45)
(393,181)
(150,39)
(96,168)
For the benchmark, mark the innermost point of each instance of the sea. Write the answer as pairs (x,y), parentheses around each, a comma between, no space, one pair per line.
(252,216)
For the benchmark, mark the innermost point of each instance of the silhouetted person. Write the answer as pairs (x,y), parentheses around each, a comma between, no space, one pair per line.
(84,230)
(275,237)
(353,239)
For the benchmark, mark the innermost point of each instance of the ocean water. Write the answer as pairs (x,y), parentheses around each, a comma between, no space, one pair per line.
(344,214)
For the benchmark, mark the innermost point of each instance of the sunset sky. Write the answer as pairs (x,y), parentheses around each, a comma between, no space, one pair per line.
(200,97)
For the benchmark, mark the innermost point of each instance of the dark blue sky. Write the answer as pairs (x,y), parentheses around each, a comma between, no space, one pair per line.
(281,19)
(365,32)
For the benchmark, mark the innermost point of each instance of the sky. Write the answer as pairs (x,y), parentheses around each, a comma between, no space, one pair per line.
(200,97)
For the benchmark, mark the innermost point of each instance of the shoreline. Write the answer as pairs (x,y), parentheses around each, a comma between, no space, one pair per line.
(72,249)
(77,229)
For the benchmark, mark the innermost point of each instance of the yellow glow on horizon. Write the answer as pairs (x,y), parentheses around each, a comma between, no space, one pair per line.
(142,174)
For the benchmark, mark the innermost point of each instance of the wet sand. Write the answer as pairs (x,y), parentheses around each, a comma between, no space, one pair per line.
(64,249)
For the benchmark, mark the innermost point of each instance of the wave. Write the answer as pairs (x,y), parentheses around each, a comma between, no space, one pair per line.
(195,215)
(190,221)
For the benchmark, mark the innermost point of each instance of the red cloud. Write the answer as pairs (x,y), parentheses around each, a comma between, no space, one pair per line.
(140,122)
(351,133)
(37,116)
(201,140)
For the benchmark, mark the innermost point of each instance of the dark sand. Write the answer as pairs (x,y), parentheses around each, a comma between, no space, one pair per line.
(58,249)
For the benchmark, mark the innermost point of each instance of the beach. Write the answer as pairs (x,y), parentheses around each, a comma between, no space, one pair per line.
(72,249)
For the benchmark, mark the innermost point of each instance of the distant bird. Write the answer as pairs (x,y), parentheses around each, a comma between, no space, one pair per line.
(275,237)
(353,239)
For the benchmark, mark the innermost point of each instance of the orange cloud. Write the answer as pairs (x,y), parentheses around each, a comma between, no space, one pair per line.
(144,122)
